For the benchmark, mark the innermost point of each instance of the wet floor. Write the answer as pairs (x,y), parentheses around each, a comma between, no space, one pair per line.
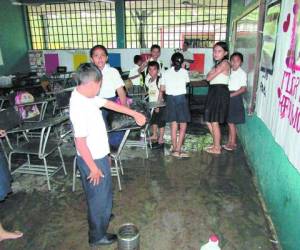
(176,204)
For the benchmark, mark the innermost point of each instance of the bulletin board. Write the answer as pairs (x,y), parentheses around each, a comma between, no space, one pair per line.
(269,37)
(278,101)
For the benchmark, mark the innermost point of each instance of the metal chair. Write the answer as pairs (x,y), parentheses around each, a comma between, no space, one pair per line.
(115,170)
(62,100)
(41,147)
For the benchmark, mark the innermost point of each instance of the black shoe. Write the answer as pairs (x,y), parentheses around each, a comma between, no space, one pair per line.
(112,216)
(108,239)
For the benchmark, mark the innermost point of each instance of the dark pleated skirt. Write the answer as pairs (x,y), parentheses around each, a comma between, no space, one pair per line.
(5,178)
(217,103)
(236,112)
(177,109)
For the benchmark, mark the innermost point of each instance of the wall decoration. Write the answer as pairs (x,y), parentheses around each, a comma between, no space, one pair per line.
(51,63)
(36,62)
(79,59)
(279,107)
(269,37)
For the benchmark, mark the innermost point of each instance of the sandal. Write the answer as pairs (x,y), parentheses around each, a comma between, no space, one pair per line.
(208,147)
(184,154)
(175,154)
(180,154)
(212,151)
(227,147)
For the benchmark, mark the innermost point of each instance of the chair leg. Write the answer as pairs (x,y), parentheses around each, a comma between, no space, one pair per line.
(118,174)
(62,160)
(121,165)
(149,136)
(146,146)
(74,174)
(9,160)
(28,160)
(47,174)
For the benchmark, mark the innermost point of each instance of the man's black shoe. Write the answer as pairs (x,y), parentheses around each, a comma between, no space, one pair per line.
(106,240)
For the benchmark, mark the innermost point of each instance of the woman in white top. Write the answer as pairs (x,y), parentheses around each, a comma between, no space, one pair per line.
(237,87)
(216,108)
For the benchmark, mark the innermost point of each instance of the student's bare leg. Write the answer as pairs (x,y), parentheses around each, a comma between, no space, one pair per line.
(174,127)
(161,135)
(209,126)
(216,149)
(182,130)
(5,235)
(232,132)
(154,133)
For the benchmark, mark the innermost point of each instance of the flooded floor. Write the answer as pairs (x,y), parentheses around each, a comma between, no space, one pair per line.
(175,203)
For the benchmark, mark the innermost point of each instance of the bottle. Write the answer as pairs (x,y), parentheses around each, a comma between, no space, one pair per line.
(212,244)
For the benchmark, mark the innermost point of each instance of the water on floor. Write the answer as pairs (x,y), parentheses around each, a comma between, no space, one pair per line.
(175,203)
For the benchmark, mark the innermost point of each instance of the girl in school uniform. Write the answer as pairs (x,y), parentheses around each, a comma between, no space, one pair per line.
(216,109)
(174,82)
(112,83)
(158,119)
(237,87)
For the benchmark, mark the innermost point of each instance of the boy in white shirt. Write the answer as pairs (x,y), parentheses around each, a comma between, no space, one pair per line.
(158,117)
(188,56)
(237,87)
(174,82)
(92,149)
(155,54)
(135,74)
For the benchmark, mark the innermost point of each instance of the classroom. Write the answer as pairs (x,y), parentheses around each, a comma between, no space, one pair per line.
(150,124)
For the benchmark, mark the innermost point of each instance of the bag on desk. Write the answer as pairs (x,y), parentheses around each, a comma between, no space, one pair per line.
(26,111)
(9,119)
(119,121)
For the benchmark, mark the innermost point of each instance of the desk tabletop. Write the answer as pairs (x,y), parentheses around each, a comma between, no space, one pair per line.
(39,125)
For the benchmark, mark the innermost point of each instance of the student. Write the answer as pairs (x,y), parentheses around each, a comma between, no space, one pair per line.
(135,74)
(92,149)
(155,54)
(188,56)
(174,82)
(112,83)
(216,109)
(5,189)
(237,87)
(158,119)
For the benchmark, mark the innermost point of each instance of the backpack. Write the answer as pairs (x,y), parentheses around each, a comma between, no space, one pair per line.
(26,111)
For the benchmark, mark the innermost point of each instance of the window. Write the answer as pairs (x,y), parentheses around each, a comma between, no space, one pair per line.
(72,25)
(170,23)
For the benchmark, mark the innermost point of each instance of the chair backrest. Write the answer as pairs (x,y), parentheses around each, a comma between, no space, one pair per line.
(63,99)
(9,119)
